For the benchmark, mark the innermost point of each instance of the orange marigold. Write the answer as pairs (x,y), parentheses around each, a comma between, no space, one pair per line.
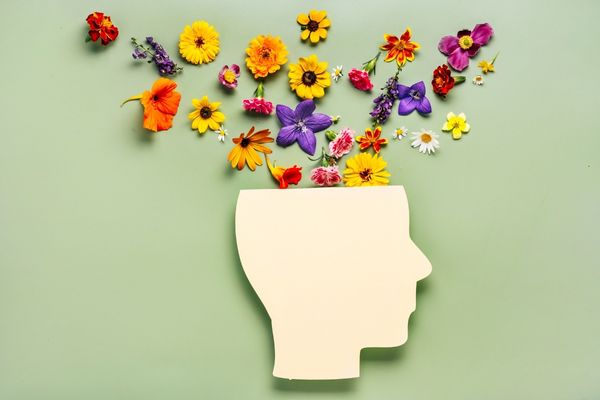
(266,55)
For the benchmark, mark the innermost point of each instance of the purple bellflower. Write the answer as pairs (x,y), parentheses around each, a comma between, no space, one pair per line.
(300,125)
(413,98)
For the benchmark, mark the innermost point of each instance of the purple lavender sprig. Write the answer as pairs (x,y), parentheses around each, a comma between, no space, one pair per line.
(157,54)
(385,101)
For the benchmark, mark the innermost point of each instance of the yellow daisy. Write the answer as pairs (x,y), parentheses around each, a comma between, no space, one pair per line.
(199,43)
(309,77)
(365,169)
(206,115)
(314,25)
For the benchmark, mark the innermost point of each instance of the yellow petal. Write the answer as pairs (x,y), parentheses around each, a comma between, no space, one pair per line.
(218,116)
(304,35)
(302,19)
(317,16)
(450,115)
(314,37)
(326,23)
(317,91)
(213,125)
(202,125)
(322,33)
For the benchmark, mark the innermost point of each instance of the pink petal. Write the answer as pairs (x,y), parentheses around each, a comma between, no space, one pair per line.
(448,44)
(482,33)
(459,59)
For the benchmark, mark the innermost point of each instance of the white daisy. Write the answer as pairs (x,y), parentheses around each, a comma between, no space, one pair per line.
(426,141)
(337,73)
(221,133)
(400,133)
(478,80)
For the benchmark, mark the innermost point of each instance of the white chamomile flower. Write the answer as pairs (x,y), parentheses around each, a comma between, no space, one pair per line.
(478,80)
(400,133)
(337,73)
(425,141)
(221,133)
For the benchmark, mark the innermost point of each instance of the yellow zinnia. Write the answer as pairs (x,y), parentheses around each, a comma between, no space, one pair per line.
(266,54)
(314,25)
(309,77)
(199,43)
(366,170)
(206,115)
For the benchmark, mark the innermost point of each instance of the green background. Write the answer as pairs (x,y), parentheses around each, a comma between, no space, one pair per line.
(119,276)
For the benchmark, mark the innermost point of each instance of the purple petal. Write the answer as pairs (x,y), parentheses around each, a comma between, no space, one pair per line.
(448,44)
(308,142)
(318,122)
(285,114)
(419,87)
(402,91)
(235,68)
(474,49)
(424,107)
(482,33)
(406,106)
(459,59)
(304,109)
(287,135)
(464,32)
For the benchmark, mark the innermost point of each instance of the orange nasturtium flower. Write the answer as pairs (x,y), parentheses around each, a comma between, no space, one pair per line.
(247,147)
(400,49)
(285,176)
(373,138)
(160,104)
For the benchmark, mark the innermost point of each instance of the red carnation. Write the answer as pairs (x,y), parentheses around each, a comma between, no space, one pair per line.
(101,27)
(360,79)
(443,81)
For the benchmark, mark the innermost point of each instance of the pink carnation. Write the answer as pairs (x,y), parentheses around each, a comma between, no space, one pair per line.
(258,105)
(326,176)
(342,144)
(360,79)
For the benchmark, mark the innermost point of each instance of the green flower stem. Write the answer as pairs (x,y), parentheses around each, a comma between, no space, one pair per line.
(459,79)
(494,59)
(370,65)
(260,90)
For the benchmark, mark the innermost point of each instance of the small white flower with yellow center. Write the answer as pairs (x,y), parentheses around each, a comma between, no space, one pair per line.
(221,133)
(337,73)
(478,80)
(400,133)
(425,141)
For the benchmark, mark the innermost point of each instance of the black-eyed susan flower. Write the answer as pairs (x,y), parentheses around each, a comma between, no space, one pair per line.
(199,43)
(246,149)
(314,25)
(206,115)
(309,77)
(365,169)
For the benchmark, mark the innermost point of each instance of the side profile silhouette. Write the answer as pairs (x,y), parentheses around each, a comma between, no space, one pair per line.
(335,269)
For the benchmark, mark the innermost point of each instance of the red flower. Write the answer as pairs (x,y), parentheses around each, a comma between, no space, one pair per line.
(373,138)
(258,105)
(285,176)
(101,27)
(360,79)
(442,80)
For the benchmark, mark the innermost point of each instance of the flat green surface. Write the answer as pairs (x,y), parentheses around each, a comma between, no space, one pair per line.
(119,277)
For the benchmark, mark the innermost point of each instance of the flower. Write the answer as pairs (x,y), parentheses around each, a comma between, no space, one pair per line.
(314,25)
(478,80)
(487,66)
(285,176)
(413,98)
(160,104)
(326,176)
(400,49)
(457,124)
(101,27)
(300,125)
(258,104)
(337,73)
(247,147)
(221,133)
(309,77)
(266,55)
(342,143)
(228,76)
(360,79)
(157,54)
(385,101)
(365,169)
(199,43)
(443,81)
(465,45)
(206,115)
(373,138)
(426,141)
(399,133)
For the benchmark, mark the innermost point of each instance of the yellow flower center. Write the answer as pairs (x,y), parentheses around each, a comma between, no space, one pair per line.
(365,174)
(205,112)
(229,76)
(425,137)
(465,42)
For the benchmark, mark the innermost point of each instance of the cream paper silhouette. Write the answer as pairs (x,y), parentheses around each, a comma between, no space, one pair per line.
(335,269)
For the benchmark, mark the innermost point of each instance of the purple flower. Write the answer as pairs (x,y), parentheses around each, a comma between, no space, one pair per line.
(300,125)
(385,101)
(157,54)
(228,76)
(413,98)
(465,45)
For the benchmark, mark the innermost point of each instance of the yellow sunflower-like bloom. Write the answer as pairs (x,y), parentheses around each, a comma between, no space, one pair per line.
(199,43)
(266,54)
(309,77)
(314,25)
(366,170)
(206,115)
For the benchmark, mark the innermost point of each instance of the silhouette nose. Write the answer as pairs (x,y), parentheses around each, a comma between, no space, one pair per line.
(422,264)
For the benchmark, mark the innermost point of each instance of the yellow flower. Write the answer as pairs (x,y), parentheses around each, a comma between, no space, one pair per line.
(457,124)
(199,43)
(266,54)
(366,170)
(309,77)
(314,25)
(206,115)
(486,66)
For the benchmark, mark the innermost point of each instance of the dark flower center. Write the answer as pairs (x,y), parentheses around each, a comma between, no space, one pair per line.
(155,97)
(365,174)
(205,112)
(245,142)
(415,95)
(312,25)
(199,42)
(266,53)
(309,78)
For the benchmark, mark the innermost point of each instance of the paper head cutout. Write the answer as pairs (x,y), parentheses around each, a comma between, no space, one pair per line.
(335,269)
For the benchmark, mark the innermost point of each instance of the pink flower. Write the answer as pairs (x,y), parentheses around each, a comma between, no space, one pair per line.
(228,76)
(258,105)
(465,45)
(326,176)
(342,144)
(360,79)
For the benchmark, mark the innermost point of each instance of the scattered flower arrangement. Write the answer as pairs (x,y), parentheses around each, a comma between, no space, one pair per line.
(309,78)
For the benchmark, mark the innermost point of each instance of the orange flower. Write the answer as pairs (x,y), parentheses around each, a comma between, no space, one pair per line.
(285,176)
(247,147)
(160,104)
(266,54)
(401,49)
(371,138)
